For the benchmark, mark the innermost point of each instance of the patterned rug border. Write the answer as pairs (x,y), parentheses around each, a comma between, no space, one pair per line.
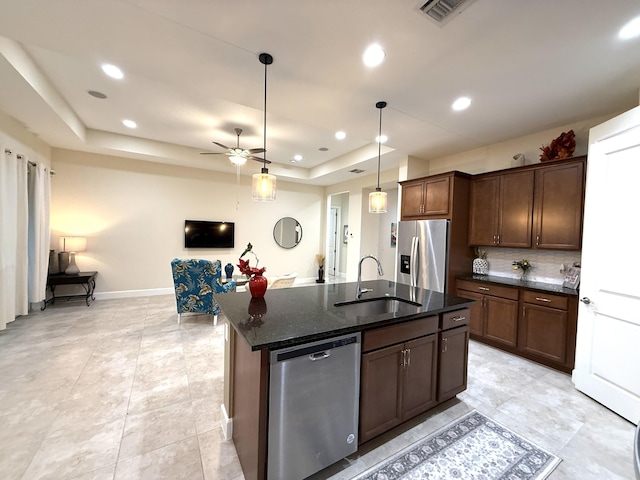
(550,466)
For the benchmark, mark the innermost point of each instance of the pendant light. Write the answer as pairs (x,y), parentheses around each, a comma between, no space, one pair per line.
(263,184)
(378,199)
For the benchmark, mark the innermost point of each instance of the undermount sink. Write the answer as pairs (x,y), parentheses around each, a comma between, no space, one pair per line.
(379,306)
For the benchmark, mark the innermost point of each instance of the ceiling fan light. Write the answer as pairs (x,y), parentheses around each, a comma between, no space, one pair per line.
(263,186)
(238,160)
(378,201)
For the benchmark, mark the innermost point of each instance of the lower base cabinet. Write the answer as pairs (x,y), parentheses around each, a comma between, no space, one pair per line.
(538,326)
(410,368)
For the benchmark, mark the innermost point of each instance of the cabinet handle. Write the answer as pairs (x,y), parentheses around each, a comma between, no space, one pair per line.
(543,299)
(498,239)
(444,344)
(537,240)
(459,319)
(494,239)
(404,359)
(408,357)
(483,288)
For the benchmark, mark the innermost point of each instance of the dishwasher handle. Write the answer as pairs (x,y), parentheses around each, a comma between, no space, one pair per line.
(320,355)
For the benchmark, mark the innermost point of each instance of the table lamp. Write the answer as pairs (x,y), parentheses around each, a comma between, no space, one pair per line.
(72,245)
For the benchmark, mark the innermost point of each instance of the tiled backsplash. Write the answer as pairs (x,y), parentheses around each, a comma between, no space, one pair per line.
(545,264)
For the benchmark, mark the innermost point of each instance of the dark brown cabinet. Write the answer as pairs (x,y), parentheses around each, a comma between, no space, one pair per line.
(453,354)
(544,326)
(559,200)
(500,210)
(397,381)
(537,206)
(426,197)
(494,316)
(443,196)
(536,325)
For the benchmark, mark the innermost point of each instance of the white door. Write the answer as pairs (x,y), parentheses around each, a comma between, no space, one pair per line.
(332,242)
(608,342)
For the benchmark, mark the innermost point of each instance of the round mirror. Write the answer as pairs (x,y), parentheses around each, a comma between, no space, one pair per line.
(287,233)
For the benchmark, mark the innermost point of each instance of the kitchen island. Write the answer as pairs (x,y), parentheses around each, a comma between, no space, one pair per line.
(406,320)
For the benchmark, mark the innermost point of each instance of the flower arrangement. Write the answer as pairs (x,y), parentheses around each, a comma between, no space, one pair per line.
(523,265)
(561,147)
(320,260)
(482,254)
(244,267)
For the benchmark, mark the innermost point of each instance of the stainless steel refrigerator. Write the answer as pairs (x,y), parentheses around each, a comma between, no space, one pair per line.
(423,253)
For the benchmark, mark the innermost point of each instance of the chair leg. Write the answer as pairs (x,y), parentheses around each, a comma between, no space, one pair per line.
(215,320)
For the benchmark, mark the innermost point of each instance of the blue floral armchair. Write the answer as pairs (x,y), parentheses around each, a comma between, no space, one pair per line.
(195,282)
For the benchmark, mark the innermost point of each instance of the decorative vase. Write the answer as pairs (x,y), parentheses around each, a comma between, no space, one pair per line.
(523,276)
(228,269)
(257,286)
(54,266)
(480,266)
(320,275)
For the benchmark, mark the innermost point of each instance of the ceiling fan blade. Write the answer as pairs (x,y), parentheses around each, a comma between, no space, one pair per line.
(212,153)
(256,150)
(221,145)
(258,159)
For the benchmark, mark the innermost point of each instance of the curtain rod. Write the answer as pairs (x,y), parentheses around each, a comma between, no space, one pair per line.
(33,164)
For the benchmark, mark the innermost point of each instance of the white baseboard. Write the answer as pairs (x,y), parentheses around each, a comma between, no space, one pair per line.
(135,293)
(226,423)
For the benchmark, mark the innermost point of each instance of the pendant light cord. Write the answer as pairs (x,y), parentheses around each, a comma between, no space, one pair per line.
(264,165)
(380,106)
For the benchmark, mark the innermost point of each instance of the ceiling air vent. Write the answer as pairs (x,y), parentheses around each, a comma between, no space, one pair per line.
(356,170)
(440,10)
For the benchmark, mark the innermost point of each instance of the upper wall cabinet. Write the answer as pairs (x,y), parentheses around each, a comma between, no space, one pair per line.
(559,202)
(537,206)
(432,197)
(501,209)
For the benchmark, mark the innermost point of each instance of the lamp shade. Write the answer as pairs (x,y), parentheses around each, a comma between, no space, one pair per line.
(263,186)
(73,244)
(378,202)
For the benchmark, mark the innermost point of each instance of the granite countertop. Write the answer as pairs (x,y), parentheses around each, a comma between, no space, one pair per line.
(515,282)
(292,316)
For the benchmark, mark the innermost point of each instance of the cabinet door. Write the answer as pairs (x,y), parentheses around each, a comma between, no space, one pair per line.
(543,332)
(413,199)
(476,315)
(380,391)
(420,376)
(516,209)
(452,363)
(501,320)
(484,196)
(436,201)
(559,195)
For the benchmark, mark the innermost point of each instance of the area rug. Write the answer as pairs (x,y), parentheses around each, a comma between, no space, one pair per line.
(474,447)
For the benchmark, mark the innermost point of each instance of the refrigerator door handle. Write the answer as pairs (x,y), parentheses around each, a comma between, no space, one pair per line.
(415,243)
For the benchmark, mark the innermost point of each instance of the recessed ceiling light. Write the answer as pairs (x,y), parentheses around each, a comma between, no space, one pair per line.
(341,135)
(381,139)
(97,94)
(461,103)
(630,30)
(373,55)
(112,71)
(129,123)
(297,158)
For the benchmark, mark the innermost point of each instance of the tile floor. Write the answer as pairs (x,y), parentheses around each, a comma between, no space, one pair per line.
(119,390)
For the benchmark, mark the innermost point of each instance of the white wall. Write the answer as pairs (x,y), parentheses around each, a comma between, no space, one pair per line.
(18,139)
(133,214)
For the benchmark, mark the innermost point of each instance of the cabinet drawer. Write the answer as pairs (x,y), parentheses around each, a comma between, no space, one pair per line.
(455,319)
(489,289)
(385,336)
(553,301)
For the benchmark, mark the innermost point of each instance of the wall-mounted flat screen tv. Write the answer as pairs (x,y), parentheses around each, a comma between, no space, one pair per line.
(204,234)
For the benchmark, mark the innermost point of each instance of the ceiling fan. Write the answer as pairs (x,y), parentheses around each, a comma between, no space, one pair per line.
(237,155)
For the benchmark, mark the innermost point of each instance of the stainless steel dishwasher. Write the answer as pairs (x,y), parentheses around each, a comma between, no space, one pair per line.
(313,406)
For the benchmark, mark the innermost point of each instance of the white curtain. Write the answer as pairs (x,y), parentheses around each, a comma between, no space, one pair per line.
(39,234)
(14,233)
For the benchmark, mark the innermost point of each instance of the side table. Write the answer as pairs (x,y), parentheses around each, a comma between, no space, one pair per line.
(86,279)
